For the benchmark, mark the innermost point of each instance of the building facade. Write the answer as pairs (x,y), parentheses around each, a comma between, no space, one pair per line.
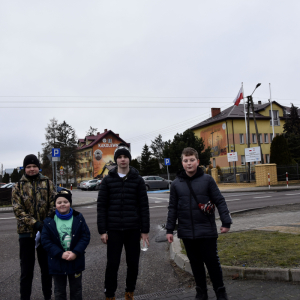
(96,154)
(225,131)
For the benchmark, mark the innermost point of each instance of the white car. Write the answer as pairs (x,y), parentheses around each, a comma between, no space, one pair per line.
(90,184)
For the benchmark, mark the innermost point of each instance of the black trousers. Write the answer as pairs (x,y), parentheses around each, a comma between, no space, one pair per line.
(75,283)
(27,261)
(131,241)
(200,252)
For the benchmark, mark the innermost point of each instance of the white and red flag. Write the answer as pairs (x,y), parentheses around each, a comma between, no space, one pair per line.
(239,97)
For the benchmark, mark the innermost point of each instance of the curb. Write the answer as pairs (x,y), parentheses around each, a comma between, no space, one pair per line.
(10,209)
(182,262)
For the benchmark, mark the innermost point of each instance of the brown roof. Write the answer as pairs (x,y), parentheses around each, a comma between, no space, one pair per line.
(98,138)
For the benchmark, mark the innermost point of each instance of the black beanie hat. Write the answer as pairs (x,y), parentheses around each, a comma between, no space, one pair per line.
(31,159)
(64,194)
(122,150)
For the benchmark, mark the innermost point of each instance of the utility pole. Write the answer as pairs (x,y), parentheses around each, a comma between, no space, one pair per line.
(248,136)
(257,137)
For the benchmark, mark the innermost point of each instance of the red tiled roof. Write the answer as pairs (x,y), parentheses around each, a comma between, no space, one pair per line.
(98,138)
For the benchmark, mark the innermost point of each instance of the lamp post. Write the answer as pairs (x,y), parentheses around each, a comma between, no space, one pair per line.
(250,101)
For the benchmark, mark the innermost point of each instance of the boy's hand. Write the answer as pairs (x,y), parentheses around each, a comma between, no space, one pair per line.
(65,255)
(104,238)
(72,256)
(224,229)
(170,238)
(145,237)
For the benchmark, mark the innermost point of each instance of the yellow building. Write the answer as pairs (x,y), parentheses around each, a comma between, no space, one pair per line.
(225,131)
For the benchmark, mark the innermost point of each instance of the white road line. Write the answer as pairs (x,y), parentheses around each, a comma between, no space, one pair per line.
(157,206)
(248,194)
(157,201)
(292,194)
(7,218)
(159,198)
(262,197)
(234,200)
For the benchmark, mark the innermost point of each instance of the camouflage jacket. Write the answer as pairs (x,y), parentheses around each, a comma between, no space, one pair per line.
(31,202)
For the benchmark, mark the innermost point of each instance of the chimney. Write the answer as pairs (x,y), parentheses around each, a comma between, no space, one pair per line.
(98,133)
(117,134)
(259,102)
(215,111)
(105,130)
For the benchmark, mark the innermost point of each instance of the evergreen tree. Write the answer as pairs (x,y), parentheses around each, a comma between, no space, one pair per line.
(135,163)
(292,123)
(5,178)
(294,146)
(15,176)
(145,158)
(279,152)
(174,149)
(91,131)
(157,148)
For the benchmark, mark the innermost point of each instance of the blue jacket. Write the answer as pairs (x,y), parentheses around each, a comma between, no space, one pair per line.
(51,243)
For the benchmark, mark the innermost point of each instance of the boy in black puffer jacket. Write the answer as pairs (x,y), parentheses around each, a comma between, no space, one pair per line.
(65,237)
(192,199)
(123,219)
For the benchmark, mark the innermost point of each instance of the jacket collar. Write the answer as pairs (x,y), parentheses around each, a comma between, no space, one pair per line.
(183,176)
(40,177)
(75,214)
(133,172)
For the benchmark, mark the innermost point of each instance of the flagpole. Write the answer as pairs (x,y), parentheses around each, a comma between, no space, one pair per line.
(245,112)
(271,112)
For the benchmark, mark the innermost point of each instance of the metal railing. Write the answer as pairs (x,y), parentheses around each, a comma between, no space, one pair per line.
(293,172)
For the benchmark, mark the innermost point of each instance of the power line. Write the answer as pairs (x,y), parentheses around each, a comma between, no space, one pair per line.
(114,107)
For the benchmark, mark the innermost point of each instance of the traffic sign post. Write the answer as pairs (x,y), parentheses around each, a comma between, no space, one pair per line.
(55,159)
(233,157)
(167,163)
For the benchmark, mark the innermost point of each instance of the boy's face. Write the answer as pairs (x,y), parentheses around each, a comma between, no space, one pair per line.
(62,205)
(190,164)
(31,170)
(122,161)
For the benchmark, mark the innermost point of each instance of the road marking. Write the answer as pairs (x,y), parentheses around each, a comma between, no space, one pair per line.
(159,198)
(248,194)
(157,201)
(292,194)
(233,200)
(7,218)
(262,197)
(157,206)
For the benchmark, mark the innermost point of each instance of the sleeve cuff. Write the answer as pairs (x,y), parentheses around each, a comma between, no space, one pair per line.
(226,225)
(169,231)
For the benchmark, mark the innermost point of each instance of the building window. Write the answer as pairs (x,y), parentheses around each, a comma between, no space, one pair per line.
(254,141)
(242,138)
(260,138)
(110,140)
(267,158)
(243,161)
(214,162)
(86,164)
(271,137)
(275,117)
(90,164)
(266,138)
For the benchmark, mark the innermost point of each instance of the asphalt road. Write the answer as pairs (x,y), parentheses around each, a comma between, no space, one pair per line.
(156,272)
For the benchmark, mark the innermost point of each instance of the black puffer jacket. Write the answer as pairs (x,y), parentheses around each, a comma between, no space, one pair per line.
(192,222)
(123,203)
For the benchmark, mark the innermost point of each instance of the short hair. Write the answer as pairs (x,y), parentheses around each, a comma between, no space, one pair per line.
(188,152)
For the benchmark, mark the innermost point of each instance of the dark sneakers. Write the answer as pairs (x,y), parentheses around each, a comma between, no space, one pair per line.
(221,293)
(201,294)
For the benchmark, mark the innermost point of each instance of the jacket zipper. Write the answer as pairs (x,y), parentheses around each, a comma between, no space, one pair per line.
(191,212)
(34,199)
(122,204)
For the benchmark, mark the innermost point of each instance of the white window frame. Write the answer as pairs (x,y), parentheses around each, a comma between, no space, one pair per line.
(260,138)
(254,140)
(243,160)
(109,140)
(242,140)
(267,158)
(275,118)
(271,137)
(266,138)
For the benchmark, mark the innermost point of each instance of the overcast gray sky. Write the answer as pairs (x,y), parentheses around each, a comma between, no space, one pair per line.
(136,60)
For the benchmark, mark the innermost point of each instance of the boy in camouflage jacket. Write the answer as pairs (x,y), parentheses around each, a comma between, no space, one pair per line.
(32,200)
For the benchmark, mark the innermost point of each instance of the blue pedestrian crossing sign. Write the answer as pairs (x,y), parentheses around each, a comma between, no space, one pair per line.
(167,162)
(55,154)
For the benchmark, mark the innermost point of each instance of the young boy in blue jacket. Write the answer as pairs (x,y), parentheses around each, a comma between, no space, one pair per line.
(65,237)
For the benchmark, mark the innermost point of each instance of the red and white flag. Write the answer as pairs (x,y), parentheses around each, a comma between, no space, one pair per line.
(239,97)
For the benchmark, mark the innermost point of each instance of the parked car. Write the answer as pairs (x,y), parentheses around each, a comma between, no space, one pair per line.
(8,185)
(89,185)
(98,184)
(156,182)
(80,186)
(2,184)
(60,188)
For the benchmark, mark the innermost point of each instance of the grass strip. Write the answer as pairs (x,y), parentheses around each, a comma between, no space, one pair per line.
(257,248)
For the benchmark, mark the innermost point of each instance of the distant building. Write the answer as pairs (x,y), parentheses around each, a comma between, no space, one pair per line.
(96,154)
(225,132)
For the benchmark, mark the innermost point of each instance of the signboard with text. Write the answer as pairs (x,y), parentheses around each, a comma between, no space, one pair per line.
(232,156)
(252,154)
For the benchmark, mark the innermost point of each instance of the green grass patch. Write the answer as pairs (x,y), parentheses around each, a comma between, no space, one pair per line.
(259,249)
(6,205)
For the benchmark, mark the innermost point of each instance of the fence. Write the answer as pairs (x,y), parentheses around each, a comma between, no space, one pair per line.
(293,172)
(227,175)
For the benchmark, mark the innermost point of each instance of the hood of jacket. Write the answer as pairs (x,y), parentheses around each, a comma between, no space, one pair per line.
(40,177)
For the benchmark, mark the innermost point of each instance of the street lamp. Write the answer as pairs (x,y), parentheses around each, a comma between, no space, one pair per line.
(250,101)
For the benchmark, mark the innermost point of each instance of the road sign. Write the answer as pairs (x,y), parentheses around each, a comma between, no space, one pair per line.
(232,156)
(55,154)
(252,154)
(61,172)
(61,167)
(167,162)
